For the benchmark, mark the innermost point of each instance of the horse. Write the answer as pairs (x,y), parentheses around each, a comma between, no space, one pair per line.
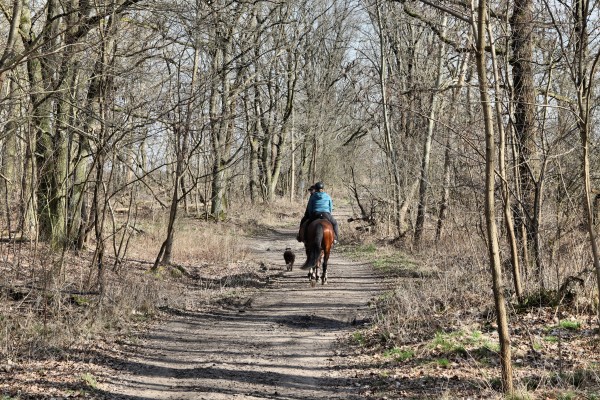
(318,241)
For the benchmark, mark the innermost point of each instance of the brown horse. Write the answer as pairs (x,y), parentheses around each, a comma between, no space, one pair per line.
(318,240)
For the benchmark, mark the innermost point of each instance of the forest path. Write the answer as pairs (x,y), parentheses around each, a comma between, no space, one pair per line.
(281,346)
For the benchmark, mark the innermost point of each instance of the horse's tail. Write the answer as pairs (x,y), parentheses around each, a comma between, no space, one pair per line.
(314,248)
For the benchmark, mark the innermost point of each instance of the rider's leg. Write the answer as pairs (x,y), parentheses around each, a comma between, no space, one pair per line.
(335,228)
(334,223)
(300,235)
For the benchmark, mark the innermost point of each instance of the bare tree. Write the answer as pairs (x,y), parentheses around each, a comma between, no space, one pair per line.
(582,65)
(425,160)
(479,27)
(507,210)
(524,120)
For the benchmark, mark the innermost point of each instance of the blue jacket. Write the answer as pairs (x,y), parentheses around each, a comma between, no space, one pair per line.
(319,202)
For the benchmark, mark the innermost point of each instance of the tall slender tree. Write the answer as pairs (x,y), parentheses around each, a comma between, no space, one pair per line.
(479,27)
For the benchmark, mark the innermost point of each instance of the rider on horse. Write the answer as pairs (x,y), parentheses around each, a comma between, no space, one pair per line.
(319,205)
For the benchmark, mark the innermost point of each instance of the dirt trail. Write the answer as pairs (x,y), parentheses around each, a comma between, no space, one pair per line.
(281,346)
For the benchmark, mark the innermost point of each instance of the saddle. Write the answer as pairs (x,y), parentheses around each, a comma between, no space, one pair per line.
(303,227)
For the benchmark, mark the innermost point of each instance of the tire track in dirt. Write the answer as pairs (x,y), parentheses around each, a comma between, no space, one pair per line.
(281,347)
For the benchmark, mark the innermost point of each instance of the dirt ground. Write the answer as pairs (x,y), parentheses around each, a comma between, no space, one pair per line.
(280,343)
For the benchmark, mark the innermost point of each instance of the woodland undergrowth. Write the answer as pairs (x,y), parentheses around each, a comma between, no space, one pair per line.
(432,334)
(53,317)
(434,331)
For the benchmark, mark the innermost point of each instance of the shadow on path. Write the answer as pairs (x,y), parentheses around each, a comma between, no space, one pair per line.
(281,346)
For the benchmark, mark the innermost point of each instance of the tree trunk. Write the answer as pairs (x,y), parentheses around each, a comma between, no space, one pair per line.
(28,205)
(448,153)
(9,152)
(166,250)
(292,160)
(403,227)
(29,182)
(492,235)
(98,221)
(524,113)
(424,181)
(584,77)
(220,114)
(390,149)
(507,210)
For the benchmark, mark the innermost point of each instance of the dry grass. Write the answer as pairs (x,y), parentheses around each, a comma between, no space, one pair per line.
(43,315)
(281,212)
(40,317)
(438,319)
(48,317)
(196,242)
(433,330)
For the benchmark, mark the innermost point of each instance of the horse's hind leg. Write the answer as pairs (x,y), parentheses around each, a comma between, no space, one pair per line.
(319,265)
(324,272)
(312,276)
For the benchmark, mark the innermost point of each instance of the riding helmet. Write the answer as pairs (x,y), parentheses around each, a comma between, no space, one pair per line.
(319,186)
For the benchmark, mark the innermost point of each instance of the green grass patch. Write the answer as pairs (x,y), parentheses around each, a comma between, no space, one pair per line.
(89,380)
(464,342)
(359,338)
(443,362)
(449,342)
(362,250)
(158,273)
(493,346)
(445,341)
(367,248)
(386,260)
(518,395)
(175,273)
(570,325)
(396,264)
(477,339)
(551,339)
(80,300)
(399,354)
(566,396)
